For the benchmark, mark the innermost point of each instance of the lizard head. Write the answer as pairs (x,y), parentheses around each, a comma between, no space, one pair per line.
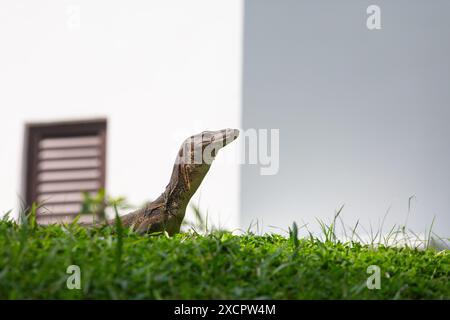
(195,158)
(201,149)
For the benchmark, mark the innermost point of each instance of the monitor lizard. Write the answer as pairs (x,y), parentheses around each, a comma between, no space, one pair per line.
(192,163)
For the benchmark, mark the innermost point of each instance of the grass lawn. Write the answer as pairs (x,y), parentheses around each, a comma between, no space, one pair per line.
(117,263)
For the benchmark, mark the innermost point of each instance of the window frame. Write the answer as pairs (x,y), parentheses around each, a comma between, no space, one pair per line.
(35,132)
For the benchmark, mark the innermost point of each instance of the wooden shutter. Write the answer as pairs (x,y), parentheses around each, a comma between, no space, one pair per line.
(63,161)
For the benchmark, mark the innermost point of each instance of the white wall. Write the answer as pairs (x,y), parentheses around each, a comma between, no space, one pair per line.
(363,115)
(159,71)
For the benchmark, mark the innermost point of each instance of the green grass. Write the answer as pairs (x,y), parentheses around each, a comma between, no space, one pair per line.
(117,263)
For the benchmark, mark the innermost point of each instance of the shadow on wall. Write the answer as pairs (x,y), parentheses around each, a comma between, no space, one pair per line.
(363,114)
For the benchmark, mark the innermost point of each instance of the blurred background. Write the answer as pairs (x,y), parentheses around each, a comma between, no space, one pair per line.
(363,114)
(100,94)
(151,72)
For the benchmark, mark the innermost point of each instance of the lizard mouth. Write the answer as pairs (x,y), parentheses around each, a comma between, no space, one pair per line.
(203,147)
(220,138)
(229,136)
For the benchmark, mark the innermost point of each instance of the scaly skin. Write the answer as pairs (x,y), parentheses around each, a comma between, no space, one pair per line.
(167,212)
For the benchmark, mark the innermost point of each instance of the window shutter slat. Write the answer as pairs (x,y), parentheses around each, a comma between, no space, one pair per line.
(65,160)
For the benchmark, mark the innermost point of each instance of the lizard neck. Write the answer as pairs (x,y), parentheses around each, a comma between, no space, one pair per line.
(183,184)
